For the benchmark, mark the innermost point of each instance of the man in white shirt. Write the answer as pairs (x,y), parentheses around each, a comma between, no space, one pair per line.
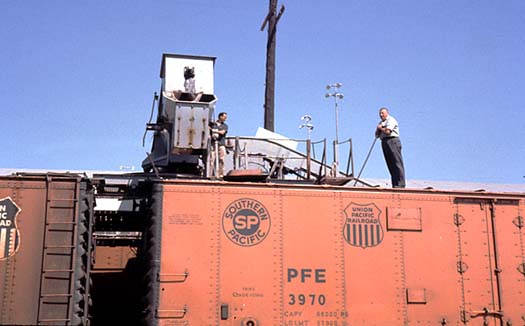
(388,131)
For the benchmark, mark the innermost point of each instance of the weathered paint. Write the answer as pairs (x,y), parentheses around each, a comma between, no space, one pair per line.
(41,280)
(414,257)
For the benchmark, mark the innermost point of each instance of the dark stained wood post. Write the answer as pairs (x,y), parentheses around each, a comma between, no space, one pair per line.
(269,95)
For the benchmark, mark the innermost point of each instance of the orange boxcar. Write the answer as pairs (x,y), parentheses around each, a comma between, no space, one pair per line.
(45,244)
(269,254)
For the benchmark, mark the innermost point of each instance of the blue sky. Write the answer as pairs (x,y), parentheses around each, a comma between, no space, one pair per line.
(78,78)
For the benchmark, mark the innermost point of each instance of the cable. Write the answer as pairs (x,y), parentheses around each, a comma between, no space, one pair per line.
(366,160)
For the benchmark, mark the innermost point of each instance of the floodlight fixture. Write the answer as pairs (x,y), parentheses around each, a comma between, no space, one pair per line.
(309,127)
(334,85)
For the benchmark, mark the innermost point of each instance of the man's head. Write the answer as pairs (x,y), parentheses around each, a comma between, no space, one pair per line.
(189,72)
(383,113)
(223,116)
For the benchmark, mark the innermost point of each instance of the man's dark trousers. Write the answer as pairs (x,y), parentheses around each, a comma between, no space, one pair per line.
(392,151)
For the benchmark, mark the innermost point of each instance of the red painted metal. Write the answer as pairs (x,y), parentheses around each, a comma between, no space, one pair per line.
(231,253)
(40,281)
(304,255)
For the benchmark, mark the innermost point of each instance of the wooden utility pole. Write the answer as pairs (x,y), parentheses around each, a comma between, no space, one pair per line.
(272,19)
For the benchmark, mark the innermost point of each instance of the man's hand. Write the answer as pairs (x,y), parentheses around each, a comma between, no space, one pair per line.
(378,130)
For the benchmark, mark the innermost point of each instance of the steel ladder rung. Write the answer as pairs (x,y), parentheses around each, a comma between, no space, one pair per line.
(57,270)
(55,295)
(58,246)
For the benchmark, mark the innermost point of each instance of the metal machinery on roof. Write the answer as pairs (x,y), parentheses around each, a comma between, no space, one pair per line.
(185,108)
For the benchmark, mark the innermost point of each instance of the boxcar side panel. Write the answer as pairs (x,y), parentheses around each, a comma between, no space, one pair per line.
(20,273)
(249,255)
(510,254)
(189,257)
(432,293)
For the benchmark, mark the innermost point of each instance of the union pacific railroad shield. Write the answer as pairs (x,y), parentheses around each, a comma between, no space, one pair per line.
(9,236)
(362,225)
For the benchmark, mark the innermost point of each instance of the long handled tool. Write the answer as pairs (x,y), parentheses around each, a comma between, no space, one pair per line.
(366,160)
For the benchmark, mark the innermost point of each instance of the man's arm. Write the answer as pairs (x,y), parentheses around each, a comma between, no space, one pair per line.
(224,130)
(381,129)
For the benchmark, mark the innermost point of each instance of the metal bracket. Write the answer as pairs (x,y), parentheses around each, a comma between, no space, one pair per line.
(463,316)
(458,219)
(172,314)
(521,269)
(486,313)
(175,278)
(518,221)
(462,267)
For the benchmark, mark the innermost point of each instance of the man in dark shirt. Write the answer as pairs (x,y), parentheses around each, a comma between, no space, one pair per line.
(219,129)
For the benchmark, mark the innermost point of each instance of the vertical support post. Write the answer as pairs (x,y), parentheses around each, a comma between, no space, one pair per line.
(236,158)
(308,158)
(351,157)
(216,171)
(335,165)
(336,95)
(336,142)
(269,96)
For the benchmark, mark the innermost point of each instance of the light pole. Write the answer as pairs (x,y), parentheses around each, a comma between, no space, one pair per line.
(336,95)
(309,127)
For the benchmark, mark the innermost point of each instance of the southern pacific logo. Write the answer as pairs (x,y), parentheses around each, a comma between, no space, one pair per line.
(246,222)
(9,237)
(362,225)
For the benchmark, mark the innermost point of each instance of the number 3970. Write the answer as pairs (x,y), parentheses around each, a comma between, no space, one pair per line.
(303,299)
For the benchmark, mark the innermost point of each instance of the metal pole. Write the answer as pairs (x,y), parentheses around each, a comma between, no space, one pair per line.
(336,121)
(352,156)
(216,168)
(309,127)
(269,95)
(308,156)
(336,143)
(336,95)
